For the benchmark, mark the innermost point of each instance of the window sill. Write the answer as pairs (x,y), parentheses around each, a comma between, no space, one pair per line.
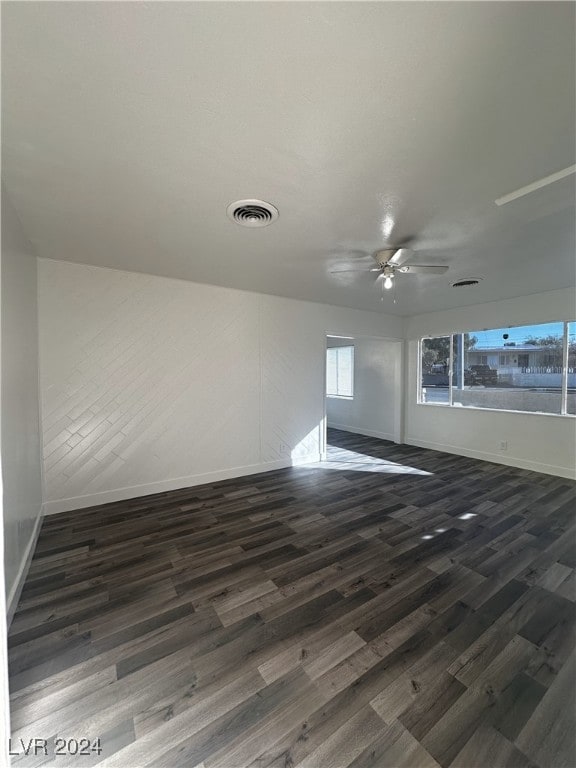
(340,397)
(497,410)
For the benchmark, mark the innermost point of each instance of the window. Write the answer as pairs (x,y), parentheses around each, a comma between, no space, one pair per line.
(570,359)
(435,361)
(529,368)
(523,360)
(340,372)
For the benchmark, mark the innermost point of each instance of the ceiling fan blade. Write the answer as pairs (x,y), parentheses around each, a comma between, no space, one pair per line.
(423,269)
(340,271)
(399,256)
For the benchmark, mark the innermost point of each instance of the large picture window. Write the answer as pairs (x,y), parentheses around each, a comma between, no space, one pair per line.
(340,371)
(529,368)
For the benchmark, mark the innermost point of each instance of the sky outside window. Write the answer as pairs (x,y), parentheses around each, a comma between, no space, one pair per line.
(495,336)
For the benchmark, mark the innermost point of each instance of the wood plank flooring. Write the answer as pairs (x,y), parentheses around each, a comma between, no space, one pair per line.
(392,607)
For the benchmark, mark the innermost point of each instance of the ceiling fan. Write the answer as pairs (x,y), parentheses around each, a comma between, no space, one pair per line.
(390,261)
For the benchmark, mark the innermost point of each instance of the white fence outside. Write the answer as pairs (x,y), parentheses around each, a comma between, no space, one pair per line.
(515,377)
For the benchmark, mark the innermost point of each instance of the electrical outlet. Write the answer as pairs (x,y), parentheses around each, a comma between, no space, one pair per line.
(503,445)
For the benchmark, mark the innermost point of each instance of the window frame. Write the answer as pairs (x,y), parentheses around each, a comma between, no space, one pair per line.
(450,404)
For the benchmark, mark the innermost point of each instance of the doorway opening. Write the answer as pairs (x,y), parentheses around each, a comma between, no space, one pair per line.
(363,391)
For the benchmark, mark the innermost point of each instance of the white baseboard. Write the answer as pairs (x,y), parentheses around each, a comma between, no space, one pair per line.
(495,458)
(16,589)
(160,486)
(358,431)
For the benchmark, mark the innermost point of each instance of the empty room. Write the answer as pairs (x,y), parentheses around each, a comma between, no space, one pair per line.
(288,384)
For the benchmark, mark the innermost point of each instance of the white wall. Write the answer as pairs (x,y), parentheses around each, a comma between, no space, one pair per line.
(149,383)
(21,464)
(537,442)
(375,408)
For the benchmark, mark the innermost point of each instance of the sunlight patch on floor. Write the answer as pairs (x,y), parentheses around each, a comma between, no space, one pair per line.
(344,460)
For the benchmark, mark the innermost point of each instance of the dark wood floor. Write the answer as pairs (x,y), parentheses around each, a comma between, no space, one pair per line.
(394,607)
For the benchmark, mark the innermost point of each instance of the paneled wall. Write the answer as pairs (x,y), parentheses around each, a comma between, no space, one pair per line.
(149,383)
(21,460)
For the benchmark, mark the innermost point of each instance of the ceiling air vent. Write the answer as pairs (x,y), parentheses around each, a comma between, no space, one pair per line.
(466,282)
(252,213)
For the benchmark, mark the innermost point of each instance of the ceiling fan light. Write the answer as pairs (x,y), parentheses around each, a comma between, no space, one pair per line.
(387,282)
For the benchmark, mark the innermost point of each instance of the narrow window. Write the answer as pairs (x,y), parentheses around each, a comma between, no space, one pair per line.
(340,372)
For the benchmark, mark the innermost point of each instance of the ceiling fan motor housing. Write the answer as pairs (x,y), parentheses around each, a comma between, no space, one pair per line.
(384,256)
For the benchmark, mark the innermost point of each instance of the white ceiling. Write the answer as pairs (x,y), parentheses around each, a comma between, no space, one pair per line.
(129,127)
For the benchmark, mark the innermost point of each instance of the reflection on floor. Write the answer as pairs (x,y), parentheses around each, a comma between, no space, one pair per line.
(306,617)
